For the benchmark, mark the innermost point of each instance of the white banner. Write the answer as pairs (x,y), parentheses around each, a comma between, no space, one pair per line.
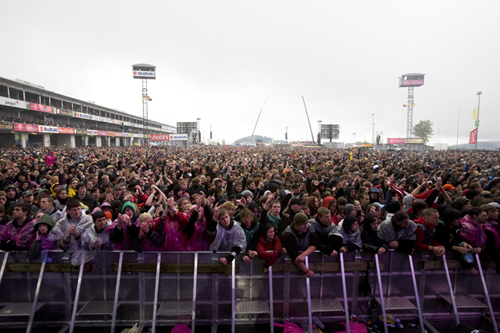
(13,102)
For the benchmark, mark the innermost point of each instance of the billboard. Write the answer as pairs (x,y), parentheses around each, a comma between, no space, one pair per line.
(396,141)
(144,71)
(40,107)
(25,127)
(12,102)
(411,80)
(65,130)
(48,129)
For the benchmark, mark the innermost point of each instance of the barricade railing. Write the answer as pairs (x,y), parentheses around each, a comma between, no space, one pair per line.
(120,288)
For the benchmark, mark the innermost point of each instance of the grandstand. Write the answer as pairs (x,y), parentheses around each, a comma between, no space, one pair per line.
(30,115)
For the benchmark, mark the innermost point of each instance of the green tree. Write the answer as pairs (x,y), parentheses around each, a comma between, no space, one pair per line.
(423,130)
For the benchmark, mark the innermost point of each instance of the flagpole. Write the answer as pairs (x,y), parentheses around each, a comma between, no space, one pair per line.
(458,125)
(479,93)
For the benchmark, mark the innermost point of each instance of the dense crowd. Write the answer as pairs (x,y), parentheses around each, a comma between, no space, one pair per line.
(252,201)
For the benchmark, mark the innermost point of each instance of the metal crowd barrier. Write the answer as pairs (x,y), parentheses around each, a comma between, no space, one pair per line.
(120,288)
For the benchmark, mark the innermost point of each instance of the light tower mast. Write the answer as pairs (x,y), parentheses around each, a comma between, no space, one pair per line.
(145,72)
(410,80)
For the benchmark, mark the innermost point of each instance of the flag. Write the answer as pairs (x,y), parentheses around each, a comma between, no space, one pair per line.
(475,113)
(473,136)
(401,193)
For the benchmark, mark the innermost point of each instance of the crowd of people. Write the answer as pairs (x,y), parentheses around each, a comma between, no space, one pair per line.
(250,202)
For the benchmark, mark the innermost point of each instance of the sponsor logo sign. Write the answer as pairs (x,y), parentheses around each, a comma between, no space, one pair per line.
(40,107)
(119,134)
(25,127)
(396,141)
(178,137)
(414,140)
(48,129)
(12,102)
(102,133)
(111,133)
(144,74)
(159,137)
(65,130)
(6,125)
(92,132)
(80,131)
(82,115)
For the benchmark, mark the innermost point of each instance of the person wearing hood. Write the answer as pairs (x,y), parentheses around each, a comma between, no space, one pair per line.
(397,231)
(125,229)
(331,204)
(371,242)
(18,234)
(462,204)
(346,237)
(425,233)
(374,195)
(323,225)
(228,235)
(41,245)
(68,231)
(300,237)
(350,194)
(12,198)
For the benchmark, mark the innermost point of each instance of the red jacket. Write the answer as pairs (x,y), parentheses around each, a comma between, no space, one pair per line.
(425,235)
(275,246)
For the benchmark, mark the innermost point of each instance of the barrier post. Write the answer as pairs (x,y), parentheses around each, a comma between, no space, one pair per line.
(308,291)
(417,300)
(77,297)
(117,291)
(487,294)
(271,298)
(452,295)
(35,300)
(344,289)
(157,288)
(195,285)
(381,292)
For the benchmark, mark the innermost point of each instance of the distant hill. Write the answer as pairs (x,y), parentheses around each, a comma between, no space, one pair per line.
(265,140)
(482,145)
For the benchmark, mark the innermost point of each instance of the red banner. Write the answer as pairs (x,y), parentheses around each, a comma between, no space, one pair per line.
(396,141)
(25,127)
(159,137)
(40,107)
(118,134)
(65,130)
(102,133)
(473,136)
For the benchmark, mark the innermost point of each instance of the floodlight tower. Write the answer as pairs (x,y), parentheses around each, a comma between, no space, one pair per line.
(410,80)
(145,72)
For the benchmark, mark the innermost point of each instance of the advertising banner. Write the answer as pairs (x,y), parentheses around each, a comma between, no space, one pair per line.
(414,140)
(96,118)
(80,131)
(12,102)
(65,130)
(102,133)
(40,107)
(25,127)
(62,111)
(178,137)
(48,129)
(82,115)
(111,133)
(92,132)
(6,125)
(126,135)
(120,134)
(396,141)
(116,121)
(159,137)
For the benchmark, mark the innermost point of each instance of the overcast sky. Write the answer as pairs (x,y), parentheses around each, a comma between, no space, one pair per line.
(221,60)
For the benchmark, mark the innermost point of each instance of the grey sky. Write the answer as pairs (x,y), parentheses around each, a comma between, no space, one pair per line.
(220,60)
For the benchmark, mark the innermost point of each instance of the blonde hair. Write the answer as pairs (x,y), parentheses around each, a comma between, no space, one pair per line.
(144,216)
